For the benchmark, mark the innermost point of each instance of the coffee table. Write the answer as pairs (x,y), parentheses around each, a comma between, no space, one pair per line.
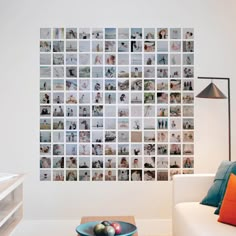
(129,219)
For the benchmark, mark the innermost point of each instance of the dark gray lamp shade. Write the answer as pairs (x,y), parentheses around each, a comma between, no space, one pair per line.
(211,91)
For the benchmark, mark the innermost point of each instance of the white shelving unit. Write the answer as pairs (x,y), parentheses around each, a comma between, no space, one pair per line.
(11,204)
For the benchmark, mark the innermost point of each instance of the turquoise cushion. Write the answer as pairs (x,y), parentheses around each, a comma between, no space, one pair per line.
(216,192)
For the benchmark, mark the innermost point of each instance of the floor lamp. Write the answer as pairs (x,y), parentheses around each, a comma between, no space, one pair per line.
(213,92)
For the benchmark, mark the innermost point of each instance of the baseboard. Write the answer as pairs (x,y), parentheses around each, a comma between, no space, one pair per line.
(154,227)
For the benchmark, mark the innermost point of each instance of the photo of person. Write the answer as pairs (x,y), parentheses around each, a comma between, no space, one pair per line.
(84,175)
(97,175)
(84,162)
(175,162)
(188,162)
(136,175)
(45,46)
(175,59)
(175,33)
(149,46)
(175,46)
(136,46)
(110,175)
(71,136)
(123,162)
(175,72)
(110,149)
(123,46)
(136,149)
(188,136)
(58,136)
(71,149)
(188,72)
(84,149)
(71,175)
(110,162)
(71,46)
(136,72)
(149,33)
(136,33)
(162,72)
(71,162)
(175,84)
(123,149)
(123,175)
(188,123)
(162,111)
(45,162)
(188,33)
(162,136)
(162,123)
(175,149)
(175,110)
(162,33)
(45,84)
(58,162)
(97,46)
(110,72)
(162,97)
(110,46)
(97,149)
(161,84)
(162,149)
(174,172)
(136,162)
(45,111)
(162,59)
(175,98)
(188,46)
(71,98)
(188,59)
(84,33)
(97,33)
(149,175)
(149,59)
(84,124)
(58,175)
(149,72)
(97,162)
(136,124)
(45,124)
(97,136)
(175,136)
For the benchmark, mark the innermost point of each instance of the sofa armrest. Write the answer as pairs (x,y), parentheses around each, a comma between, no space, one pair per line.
(191,188)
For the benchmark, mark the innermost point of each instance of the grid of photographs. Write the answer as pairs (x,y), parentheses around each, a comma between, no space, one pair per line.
(116,104)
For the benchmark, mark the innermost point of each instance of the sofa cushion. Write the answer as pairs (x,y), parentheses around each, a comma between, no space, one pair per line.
(216,192)
(192,218)
(228,208)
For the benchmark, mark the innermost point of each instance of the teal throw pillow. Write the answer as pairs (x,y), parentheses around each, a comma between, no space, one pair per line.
(216,192)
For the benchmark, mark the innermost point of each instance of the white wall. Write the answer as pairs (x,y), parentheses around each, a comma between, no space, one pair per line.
(215,40)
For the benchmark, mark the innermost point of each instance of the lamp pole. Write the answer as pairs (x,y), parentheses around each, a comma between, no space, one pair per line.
(229,111)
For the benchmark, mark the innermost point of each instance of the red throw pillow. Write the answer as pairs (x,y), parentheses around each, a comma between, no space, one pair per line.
(228,208)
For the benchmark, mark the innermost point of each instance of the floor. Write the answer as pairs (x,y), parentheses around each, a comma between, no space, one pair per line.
(65,227)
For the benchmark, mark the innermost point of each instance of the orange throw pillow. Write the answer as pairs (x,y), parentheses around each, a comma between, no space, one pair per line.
(228,208)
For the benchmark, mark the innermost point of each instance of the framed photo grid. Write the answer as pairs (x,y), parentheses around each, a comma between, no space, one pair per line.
(116,104)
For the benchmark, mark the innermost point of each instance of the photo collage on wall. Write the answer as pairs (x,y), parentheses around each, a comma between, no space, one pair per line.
(116,104)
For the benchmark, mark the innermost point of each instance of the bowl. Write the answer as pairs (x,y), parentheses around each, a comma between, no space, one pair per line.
(86,229)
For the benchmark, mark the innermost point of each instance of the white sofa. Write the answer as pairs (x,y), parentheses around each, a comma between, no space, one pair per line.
(191,218)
